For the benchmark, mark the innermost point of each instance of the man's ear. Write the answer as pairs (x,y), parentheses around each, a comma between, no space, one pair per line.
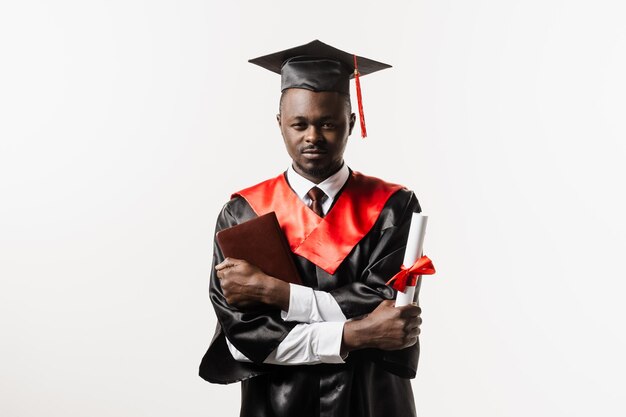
(352,122)
(278,119)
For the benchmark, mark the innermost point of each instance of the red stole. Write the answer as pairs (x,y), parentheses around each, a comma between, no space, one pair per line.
(324,241)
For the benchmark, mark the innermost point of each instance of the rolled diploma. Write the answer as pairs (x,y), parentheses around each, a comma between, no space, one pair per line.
(414,247)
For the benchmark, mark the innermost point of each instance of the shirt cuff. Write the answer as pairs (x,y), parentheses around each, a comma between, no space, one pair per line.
(309,344)
(330,335)
(309,306)
(301,300)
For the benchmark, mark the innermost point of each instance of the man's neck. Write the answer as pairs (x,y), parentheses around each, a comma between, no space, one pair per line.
(315,179)
(331,185)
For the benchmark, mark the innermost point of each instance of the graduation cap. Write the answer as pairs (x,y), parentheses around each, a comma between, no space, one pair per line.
(317,66)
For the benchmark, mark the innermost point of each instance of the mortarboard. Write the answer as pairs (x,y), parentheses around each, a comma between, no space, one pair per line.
(317,66)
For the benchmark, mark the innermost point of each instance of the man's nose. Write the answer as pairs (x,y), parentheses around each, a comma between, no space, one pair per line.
(313,134)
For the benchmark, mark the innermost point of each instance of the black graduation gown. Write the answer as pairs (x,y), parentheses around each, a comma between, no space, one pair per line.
(372,382)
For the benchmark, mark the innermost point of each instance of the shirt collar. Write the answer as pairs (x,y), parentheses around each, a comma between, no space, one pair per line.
(331,185)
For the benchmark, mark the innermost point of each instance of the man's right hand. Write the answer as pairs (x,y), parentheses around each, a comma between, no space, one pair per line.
(387,328)
(245,286)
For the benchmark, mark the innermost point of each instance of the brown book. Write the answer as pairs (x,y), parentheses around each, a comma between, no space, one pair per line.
(261,242)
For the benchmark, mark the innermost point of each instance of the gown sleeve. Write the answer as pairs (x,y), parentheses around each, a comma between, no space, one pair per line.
(254,333)
(387,243)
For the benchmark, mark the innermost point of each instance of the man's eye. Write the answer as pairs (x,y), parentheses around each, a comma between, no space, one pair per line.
(328,125)
(299,126)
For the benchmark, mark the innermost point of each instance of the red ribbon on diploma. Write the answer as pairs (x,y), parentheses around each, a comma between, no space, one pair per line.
(408,276)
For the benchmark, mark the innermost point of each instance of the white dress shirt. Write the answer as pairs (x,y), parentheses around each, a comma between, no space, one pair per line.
(317,337)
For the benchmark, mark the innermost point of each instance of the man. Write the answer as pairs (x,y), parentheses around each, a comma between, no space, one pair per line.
(336,345)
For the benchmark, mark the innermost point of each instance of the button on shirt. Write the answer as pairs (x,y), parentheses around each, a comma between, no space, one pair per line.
(317,339)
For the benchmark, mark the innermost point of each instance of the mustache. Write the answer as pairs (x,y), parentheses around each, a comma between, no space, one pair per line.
(313,148)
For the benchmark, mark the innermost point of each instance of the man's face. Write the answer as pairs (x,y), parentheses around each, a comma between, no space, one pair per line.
(315,127)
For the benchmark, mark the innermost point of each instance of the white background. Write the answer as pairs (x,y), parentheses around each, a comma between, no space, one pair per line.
(125,126)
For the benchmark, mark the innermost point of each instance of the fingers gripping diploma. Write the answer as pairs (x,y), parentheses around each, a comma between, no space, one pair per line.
(245,286)
(387,328)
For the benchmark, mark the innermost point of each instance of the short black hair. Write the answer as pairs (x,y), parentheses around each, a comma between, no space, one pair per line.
(346,97)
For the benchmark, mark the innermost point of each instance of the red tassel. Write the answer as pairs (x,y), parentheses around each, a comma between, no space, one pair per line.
(359,99)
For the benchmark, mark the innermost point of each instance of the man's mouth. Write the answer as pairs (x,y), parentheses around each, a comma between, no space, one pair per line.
(314,154)
(315,151)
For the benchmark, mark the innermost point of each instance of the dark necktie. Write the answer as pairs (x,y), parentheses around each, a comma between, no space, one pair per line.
(317,198)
